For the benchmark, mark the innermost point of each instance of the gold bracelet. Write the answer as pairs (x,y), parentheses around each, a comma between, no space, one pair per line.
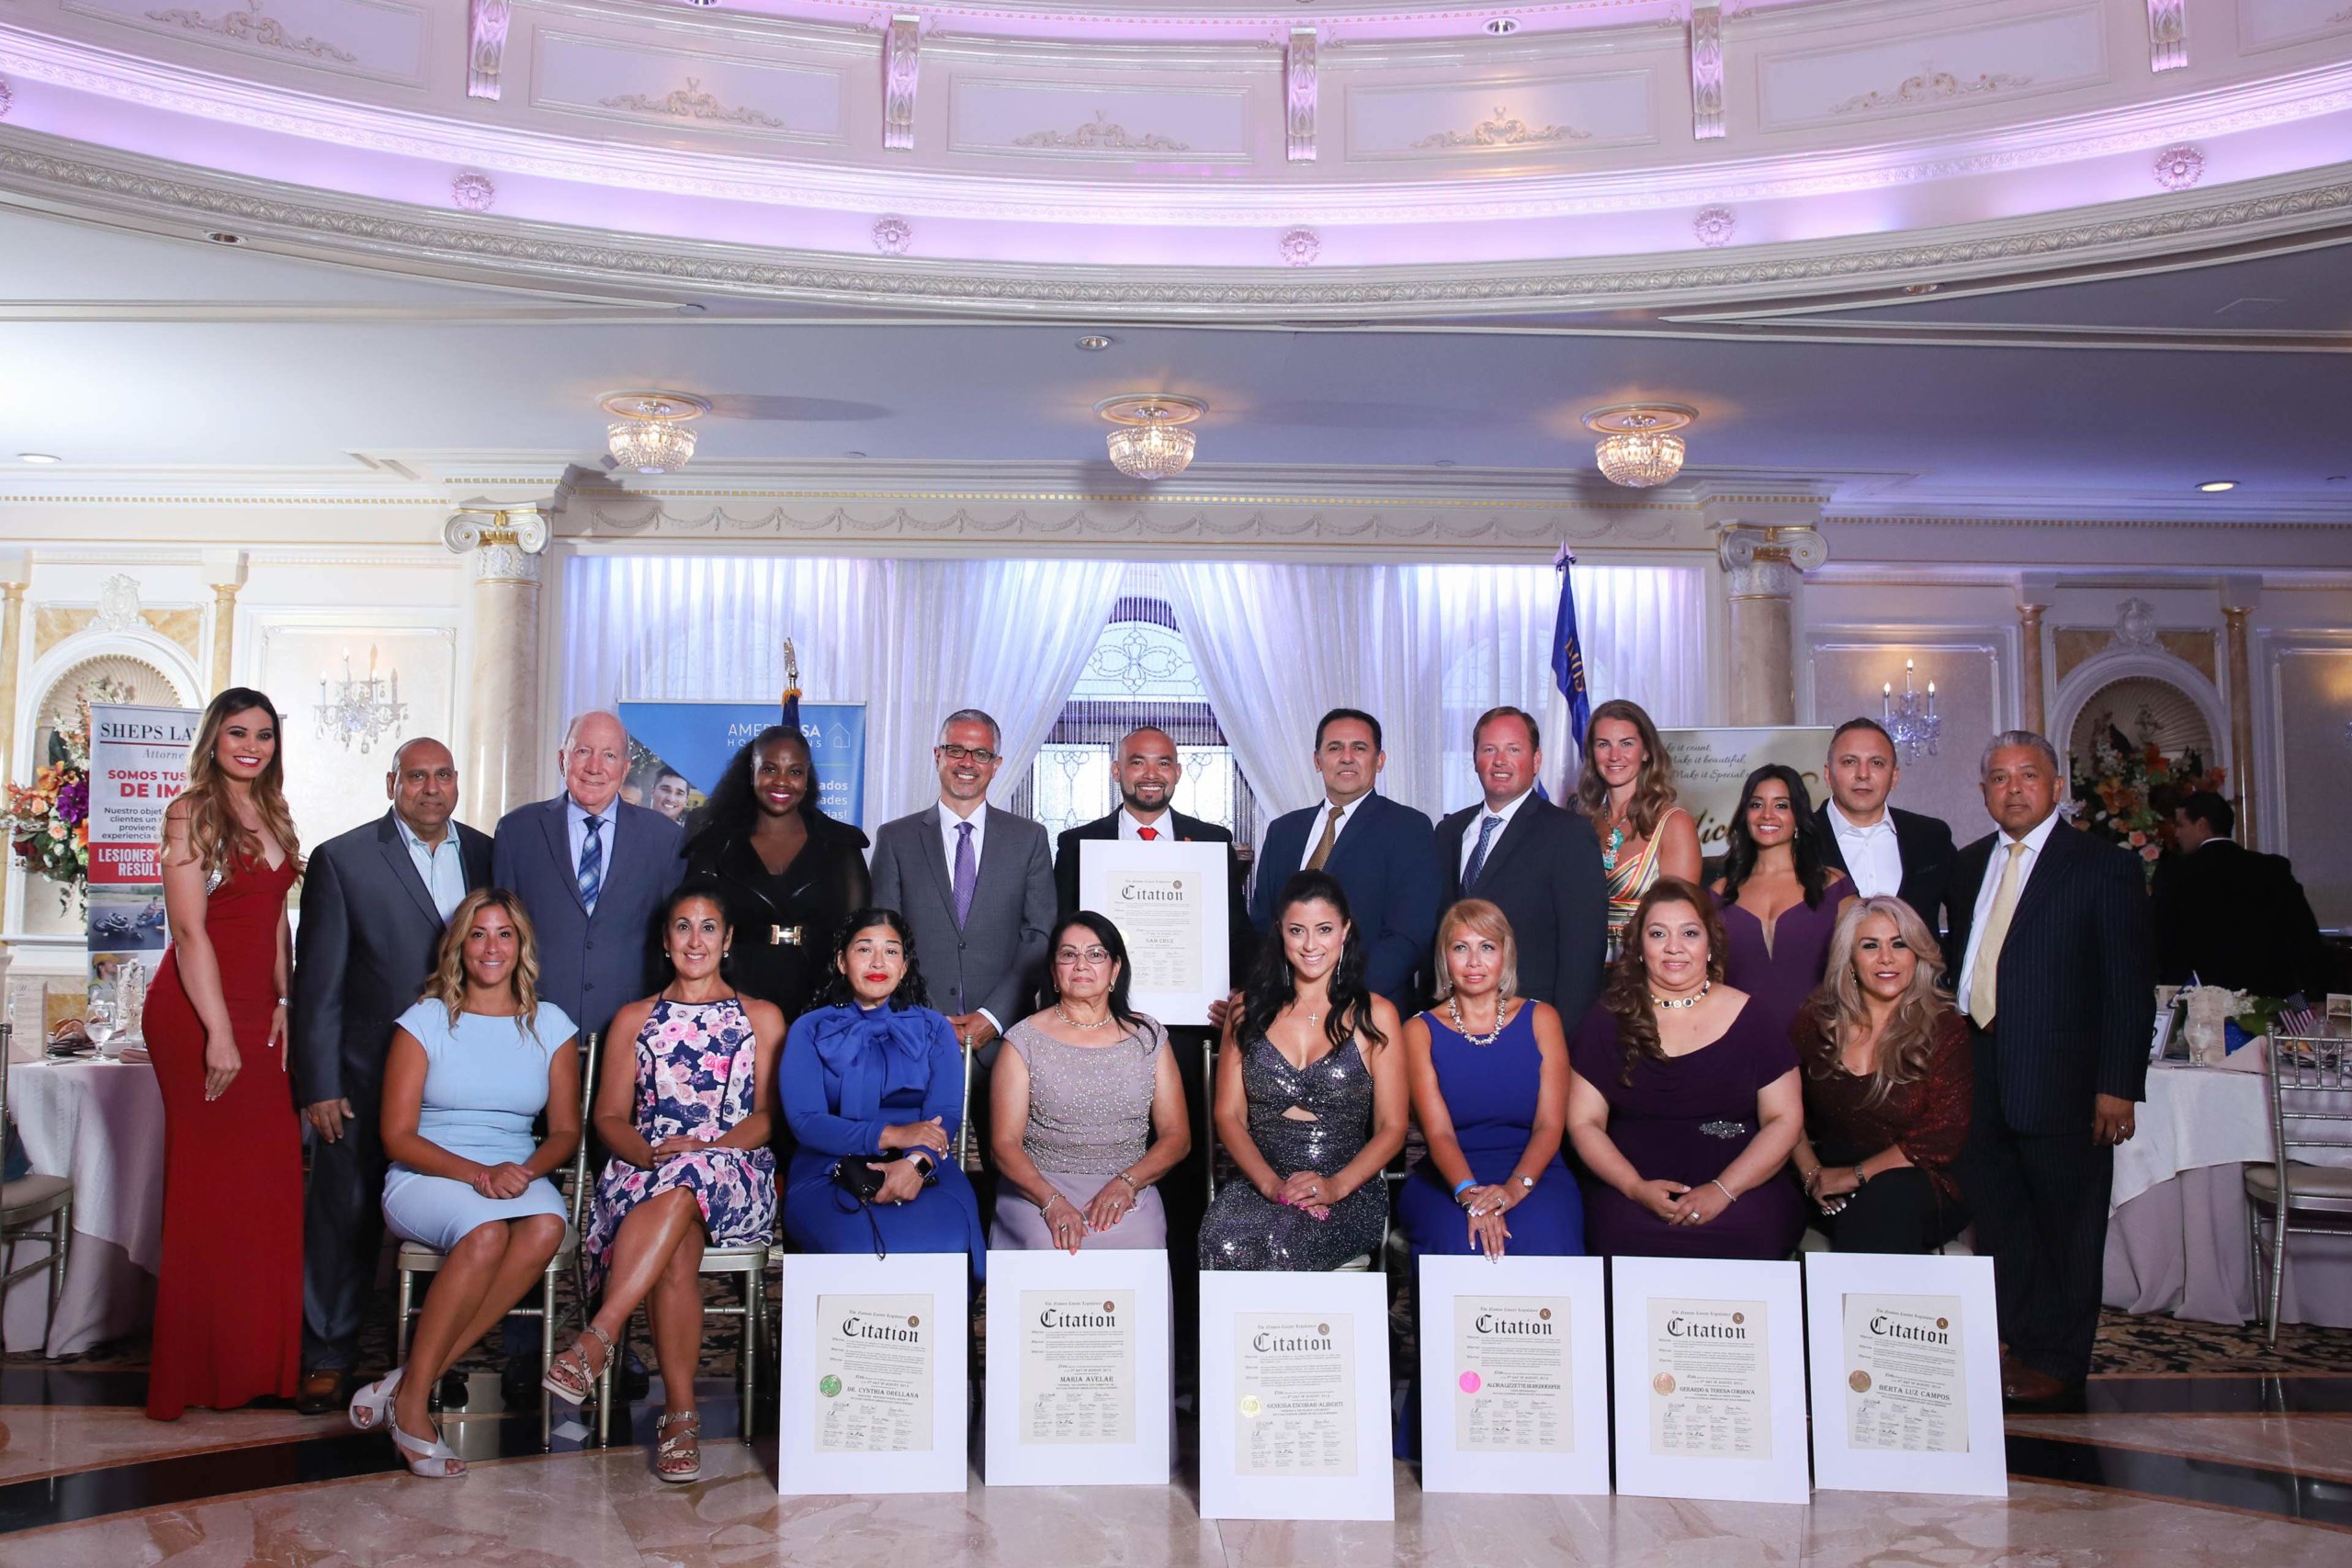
(1132,1189)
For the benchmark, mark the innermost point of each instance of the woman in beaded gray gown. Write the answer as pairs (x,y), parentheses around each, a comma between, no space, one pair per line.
(1311,1104)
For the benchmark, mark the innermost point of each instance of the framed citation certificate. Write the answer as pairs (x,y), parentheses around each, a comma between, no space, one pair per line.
(1906,1373)
(1078,1359)
(1169,899)
(1294,1397)
(1710,1379)
(1514,1360)
(873,1368)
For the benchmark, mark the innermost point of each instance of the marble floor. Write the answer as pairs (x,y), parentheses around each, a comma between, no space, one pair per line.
(2153,1472)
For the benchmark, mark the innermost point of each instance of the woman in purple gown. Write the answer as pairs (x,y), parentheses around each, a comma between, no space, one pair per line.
(1779,896)
(1686,1100)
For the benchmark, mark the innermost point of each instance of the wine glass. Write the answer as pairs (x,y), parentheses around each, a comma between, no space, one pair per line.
(102,1022)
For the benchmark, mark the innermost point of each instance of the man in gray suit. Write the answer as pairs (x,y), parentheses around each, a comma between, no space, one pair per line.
(975,884)
(374,902)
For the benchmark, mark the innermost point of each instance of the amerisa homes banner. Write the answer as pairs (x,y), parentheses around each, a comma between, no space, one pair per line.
(137,766)
(694,741)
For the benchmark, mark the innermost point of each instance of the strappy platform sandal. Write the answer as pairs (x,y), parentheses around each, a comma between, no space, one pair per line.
(434,1460)
(371,1406)
(569,1377)
(672,1455)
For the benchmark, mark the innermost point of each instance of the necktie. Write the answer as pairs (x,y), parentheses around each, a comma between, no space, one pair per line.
(1146,832)
(592,865)
(1478,856)
(1323,845)
(1983,980)
(968,871)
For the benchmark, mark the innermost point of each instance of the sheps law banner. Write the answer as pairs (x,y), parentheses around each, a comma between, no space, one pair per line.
(696,740)
(137,766)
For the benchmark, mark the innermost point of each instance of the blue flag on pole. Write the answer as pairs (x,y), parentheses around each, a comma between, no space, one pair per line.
(1567,653)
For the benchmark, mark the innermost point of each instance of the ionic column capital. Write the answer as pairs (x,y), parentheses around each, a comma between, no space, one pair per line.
(505,543)
(1768,560)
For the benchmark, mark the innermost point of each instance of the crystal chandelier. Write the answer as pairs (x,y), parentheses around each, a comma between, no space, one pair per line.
(358,711)
(1637,447)
(1150,441)
(1911,718)
(648,433)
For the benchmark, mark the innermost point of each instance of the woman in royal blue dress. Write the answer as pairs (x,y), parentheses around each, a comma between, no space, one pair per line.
(1490,1080)
(875,1077)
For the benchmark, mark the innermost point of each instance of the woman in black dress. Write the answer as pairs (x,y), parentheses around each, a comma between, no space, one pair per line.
(789,872)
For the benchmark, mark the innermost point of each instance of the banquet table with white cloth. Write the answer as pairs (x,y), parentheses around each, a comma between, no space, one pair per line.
(2177,1230)
(102,1124)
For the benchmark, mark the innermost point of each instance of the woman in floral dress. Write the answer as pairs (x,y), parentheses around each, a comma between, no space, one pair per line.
(687,1116)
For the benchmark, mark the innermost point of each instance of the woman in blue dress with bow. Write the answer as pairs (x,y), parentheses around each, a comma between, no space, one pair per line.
(873,1080)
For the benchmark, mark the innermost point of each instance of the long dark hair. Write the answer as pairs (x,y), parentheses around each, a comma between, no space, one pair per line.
(1627,995)
(1106,932)
(1270,987)
(732,806)
(911,991)
(1804,841)
(216,838)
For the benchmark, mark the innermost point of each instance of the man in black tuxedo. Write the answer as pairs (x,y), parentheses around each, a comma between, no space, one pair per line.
(1539,865)
(374,903)
(1883,849)
(1378,850)
(2231,917)
(2057,978)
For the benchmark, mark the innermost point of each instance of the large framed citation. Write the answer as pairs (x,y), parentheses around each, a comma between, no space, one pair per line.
(1170,902)
(873,1370)
(1078,1359)
(1514,1360)
(1710,1379)
(1294,1397)
(1906,1374)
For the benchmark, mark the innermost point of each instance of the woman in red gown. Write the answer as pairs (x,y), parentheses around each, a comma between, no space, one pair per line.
(229,1300)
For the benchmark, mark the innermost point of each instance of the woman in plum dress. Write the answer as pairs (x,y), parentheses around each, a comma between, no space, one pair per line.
(1779,896)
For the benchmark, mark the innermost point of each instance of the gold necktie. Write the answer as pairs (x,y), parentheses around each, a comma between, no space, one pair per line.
(1323,845)
(1984,980)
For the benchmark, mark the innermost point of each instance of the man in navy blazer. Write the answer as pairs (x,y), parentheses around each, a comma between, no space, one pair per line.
(1377,849)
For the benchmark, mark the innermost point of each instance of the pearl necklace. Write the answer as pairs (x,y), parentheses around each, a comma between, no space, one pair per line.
(1454,1013)
(1690,1001)
(1099,1023)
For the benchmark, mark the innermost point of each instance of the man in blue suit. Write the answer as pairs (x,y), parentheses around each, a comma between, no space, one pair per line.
(1379,850)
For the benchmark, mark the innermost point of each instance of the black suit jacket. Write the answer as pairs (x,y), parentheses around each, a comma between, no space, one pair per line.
(1382,861)
(2076,988)
(1241,942)
(1925,845)
(2234,918)
(1544,871)
(365,944)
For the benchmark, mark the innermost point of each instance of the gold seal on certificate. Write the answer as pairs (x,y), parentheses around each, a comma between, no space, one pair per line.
(1710,1379)
(874,1374)
(1296,1415)
(1906,1384)
(1510,1383)
(1078,1367)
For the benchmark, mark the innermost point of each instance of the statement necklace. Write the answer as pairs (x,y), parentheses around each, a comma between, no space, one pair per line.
(1690,1001)
(1454,1013)
(1060,1013)
(1616,843)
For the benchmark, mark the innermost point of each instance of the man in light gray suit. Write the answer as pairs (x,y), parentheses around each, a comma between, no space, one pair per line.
(976,884)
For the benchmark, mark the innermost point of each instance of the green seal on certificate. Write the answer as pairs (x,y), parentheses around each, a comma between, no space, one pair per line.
(829,1385)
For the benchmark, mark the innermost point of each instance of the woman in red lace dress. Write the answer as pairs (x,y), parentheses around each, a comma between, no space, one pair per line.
(228,1300)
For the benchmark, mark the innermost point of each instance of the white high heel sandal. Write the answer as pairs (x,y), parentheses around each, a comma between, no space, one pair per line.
(435,1460)
(371,1406)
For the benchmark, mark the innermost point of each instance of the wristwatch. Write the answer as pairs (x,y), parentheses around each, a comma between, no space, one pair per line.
(1527,1184)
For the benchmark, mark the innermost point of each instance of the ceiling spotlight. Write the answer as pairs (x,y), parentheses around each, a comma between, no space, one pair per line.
(222,237)
(1095,343)
(38,458)
(1635,447)
(2215,487)
(648,433)
(1150,442)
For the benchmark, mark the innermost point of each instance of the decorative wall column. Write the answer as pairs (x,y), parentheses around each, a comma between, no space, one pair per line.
(502,713)
(2030,685)
(225,571)
(1762,566)
(2239,596)
(15,572)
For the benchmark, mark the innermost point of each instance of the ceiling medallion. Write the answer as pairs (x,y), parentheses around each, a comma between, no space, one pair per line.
(1301,246)
(1713,226)
(1150,442)
(1636,446)
(648,433)
(893,236)
(2180,167)
(473,192)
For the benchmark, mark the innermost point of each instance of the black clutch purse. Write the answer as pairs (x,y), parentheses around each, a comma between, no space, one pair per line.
(857,1177)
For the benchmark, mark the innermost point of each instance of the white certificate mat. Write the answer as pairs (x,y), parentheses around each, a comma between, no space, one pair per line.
(1514,1366)
(1294,1397)
(1169,899)
(1710,1379)
(1077,1357)
(873,1373)
(1906,1374)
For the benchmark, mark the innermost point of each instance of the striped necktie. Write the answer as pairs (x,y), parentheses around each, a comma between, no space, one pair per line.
(592,864)
(1478,855)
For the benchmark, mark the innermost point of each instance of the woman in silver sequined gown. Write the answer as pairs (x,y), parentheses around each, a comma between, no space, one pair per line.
(1311,1104)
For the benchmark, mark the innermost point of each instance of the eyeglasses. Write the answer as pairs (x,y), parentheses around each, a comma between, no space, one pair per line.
(979,754)
(1089,954)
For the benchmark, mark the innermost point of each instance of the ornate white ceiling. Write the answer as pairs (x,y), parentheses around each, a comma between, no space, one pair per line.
(1167,158)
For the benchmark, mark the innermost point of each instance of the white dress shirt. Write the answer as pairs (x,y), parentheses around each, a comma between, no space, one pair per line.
(948,824)
(1130,829)
(575,822)
(1472,828)
(2033,842)
(443,868)
(1874,856)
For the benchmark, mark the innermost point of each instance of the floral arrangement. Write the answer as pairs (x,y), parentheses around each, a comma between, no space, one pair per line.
(2130,788)
(48,823)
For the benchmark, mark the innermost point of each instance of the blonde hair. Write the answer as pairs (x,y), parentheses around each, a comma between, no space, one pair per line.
(1479,918)
(217,840)
(1654,792)
(1908,1041)
(447,983)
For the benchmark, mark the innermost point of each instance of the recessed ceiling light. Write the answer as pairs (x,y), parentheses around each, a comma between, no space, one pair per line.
(1095,343)
(222,237)
(1921,288)
(1502,27)
(37,457)
(1446,462)
(2215,487)
(852,454)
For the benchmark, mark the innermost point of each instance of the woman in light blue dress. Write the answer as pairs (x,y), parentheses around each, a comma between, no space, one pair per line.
(471,1064)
